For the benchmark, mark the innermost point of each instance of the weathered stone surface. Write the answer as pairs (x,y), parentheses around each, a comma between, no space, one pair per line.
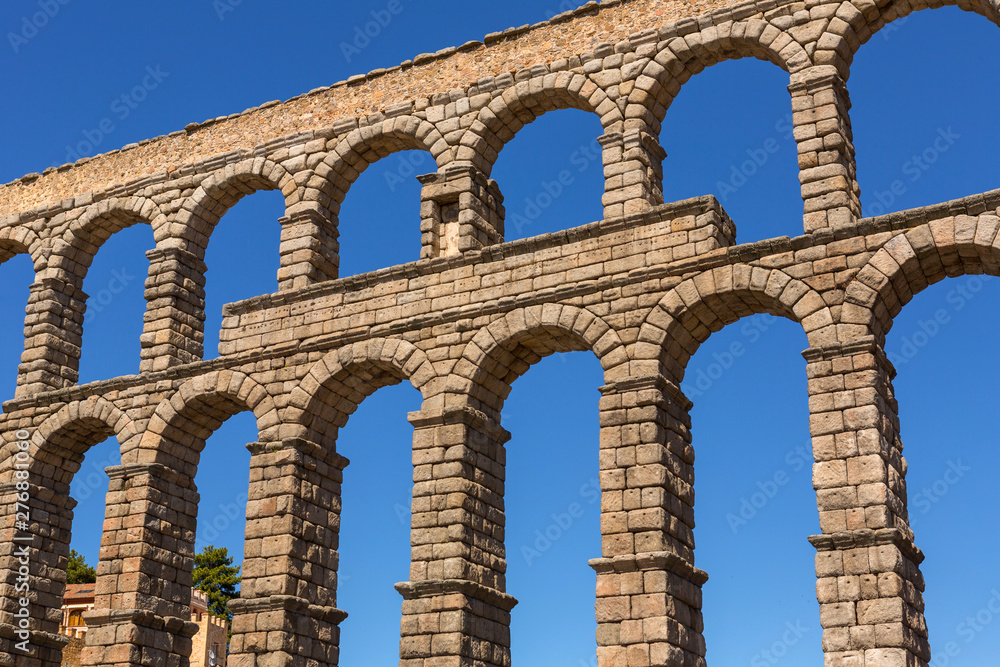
(641,289)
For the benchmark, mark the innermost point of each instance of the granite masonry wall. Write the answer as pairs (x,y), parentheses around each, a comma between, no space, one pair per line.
(641,289)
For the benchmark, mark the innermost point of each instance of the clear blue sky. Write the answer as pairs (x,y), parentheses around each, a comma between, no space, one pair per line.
(935,71)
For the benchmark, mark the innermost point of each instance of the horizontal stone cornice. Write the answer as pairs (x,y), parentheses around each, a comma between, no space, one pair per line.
(414,590)
(652,560)
(96,618)
(303,446)
(654,382)
(459,415)
(287,603)
(858,539)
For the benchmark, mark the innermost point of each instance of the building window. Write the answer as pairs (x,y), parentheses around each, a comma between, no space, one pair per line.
(76,618)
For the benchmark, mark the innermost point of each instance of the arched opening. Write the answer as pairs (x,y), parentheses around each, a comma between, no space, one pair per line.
(945,389)
(553,506)
(354,153)
(115,287)
(17,273)
(729,133)
(66,457)
(222,486)
(551,174)
(550,521)
(269,497)
(724,304)
(89,489)
(242,258)
(375,524)
(378,491)
(940,143)
(379,220)
(958,246)
(755,501)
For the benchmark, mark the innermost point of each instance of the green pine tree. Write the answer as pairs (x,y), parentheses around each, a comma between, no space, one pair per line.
(215,575)
(77,570)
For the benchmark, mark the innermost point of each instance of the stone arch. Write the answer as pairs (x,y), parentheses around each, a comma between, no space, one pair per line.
(857,21)
(505,349)
(218,193)
(326,187)
(109,216)
(58,288)
(350,155)
(58,446)
(20,240)
(336,385)
(526,101)
(162,471)
(661,79)
(910,262)
(175,291)
(697,307)
(194,412)
(75,250)
(63,439)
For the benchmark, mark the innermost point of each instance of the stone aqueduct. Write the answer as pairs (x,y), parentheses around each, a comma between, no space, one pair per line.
(640,289)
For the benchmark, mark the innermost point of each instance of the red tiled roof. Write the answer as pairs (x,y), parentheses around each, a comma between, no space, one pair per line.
(78,593)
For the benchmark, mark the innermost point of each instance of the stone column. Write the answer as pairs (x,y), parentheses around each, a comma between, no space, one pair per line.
(869,584)
(460,210)
(33,553)
(286,614)
(142,610)
(53,334)
(455,610)
(310,252)
(648,589)
(822,129)
(174,329)
(633,172)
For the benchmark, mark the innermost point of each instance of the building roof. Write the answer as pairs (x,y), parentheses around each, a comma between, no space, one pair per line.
(83,593)
(77,593)
(199,601)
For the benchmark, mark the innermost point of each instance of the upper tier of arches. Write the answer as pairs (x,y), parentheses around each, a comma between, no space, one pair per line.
(628,87)
(473,129)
